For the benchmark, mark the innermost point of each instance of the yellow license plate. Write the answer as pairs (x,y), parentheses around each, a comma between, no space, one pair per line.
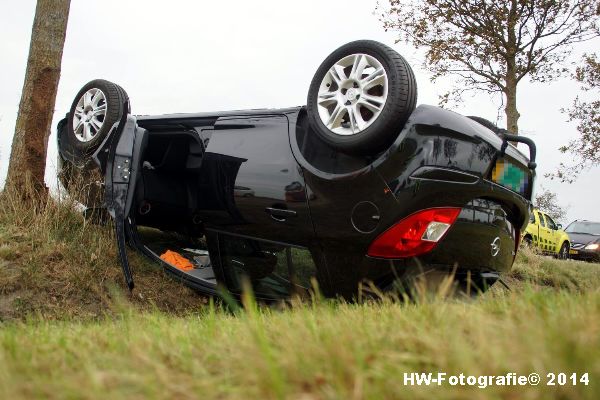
(573,252)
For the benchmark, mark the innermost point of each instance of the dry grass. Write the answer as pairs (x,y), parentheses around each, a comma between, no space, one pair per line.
(54,264)
(546,272)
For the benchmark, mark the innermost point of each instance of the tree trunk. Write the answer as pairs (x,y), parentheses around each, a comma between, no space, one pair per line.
(28,156)
(510,109)
(510,87)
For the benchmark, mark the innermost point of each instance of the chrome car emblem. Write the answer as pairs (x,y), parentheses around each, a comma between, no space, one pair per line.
(495,247)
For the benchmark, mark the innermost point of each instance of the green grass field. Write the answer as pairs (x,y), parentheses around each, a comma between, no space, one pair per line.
(68,329)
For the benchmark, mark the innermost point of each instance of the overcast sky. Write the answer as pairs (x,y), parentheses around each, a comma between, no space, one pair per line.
(189,56)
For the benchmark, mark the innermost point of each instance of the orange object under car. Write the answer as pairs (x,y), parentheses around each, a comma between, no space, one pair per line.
(177,260)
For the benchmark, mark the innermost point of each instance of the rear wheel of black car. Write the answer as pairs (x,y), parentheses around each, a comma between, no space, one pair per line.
(97,106)
(361,96)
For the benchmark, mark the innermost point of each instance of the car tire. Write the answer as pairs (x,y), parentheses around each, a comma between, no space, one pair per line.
(84,183)
(97,106)
(563,254)
(360,97)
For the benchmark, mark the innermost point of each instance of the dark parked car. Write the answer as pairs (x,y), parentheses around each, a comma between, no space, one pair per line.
(359,185)
(585,240)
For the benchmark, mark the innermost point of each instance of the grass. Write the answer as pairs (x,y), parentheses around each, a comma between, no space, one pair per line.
(68,329)
(312,351)
(54,264)
(546,272)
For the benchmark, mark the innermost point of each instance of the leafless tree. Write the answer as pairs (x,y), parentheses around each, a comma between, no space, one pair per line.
(585,149)
(547,201)
(492,45)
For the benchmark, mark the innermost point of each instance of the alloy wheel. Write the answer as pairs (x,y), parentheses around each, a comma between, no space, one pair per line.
(89,115)
(352,94)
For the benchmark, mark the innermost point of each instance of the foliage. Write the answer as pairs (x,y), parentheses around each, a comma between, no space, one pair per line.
(547,201)
(491,45)
(586,148)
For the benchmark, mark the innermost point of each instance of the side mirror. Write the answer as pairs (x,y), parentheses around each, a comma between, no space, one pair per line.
(559,226)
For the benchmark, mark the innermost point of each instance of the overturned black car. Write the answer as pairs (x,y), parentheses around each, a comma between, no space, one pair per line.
(358,186)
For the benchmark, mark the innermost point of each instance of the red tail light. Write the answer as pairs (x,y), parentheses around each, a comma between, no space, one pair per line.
(416,234)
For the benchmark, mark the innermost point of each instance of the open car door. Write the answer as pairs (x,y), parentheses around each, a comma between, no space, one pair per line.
(119,157)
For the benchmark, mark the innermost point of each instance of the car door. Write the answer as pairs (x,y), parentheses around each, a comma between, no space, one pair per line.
(538,222)
(535,227)
(554,234)
(262,186)
(119,156)
(545,233)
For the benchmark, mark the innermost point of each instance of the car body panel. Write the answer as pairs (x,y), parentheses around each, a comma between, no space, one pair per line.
(266,167)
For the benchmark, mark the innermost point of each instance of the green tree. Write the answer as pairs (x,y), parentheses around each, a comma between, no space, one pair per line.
(30,141)
(492,45)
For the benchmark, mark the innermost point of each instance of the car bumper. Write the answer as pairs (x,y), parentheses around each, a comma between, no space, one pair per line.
(584,255)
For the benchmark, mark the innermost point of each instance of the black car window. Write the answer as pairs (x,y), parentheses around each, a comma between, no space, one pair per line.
(273,270)
(586,227)
(532,218)
(541,217)
(551,223)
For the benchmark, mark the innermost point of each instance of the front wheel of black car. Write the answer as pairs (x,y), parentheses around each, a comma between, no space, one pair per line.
(95,109)
(97,106)
(361,96)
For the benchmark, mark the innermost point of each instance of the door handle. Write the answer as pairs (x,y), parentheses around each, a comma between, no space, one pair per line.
(279,214)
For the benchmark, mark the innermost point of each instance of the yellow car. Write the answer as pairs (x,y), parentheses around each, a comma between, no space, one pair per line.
(548,236)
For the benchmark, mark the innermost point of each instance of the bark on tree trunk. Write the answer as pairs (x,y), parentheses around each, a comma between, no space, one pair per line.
(512,114)
(28,155)
(510,87)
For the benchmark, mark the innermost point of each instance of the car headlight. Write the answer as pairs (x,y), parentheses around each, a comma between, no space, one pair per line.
(592,246)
